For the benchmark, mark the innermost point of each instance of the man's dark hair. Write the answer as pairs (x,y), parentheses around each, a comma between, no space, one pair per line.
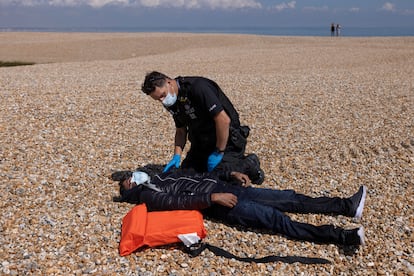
(153,80)
(121,176)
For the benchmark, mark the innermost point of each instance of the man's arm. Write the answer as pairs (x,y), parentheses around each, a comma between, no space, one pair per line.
(179,144)
(225,199)
(180,140)
(227,175)
(222,122)
(241,177)
(159,201)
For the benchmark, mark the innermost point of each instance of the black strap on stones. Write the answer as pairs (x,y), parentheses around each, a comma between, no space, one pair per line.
(195,250)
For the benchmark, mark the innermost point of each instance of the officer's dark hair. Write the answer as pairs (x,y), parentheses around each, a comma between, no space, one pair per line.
(153,80)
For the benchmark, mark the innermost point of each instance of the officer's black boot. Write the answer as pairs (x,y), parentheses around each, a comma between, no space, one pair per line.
(252,168)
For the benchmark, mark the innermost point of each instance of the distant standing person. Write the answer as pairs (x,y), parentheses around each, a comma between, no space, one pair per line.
(332,29)
(338,30)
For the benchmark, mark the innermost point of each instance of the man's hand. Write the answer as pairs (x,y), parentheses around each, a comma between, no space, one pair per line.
(225,199)
(242,178)
(175,161)
(213,160)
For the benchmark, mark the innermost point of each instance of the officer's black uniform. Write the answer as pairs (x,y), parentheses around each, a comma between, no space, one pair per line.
(199,100)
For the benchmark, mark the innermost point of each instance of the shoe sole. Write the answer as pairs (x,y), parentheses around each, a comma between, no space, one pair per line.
(361,234)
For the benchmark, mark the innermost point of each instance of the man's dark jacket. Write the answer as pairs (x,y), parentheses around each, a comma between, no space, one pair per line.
(180,191)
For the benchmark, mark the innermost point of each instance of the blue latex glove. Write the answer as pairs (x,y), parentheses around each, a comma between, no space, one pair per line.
(175,161)
(213,160)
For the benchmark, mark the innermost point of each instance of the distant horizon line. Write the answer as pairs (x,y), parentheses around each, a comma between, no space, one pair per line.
(205,27)
(259,30)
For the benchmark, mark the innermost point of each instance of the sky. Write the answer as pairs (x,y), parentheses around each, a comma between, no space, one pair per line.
(204,13)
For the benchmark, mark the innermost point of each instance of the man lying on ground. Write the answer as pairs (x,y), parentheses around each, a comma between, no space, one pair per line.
(246,206)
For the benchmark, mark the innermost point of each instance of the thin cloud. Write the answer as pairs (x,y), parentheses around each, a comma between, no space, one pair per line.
(284,6)
(230,4)
(316,9)
(189,4)
(388,7)
(354,9)
(408,12)
(27,3)
(92,3)
(193,4)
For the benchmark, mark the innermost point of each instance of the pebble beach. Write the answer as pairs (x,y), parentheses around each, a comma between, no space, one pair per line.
(327,114)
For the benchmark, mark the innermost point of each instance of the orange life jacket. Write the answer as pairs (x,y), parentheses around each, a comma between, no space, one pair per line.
(141,228)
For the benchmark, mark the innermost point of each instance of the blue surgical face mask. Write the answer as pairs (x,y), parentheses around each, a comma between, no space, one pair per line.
(170,99)
(140,177)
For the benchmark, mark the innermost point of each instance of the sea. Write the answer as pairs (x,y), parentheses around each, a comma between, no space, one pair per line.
(271,31)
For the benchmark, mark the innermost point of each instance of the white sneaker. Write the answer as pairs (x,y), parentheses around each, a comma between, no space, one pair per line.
(359,199)
(361,234)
